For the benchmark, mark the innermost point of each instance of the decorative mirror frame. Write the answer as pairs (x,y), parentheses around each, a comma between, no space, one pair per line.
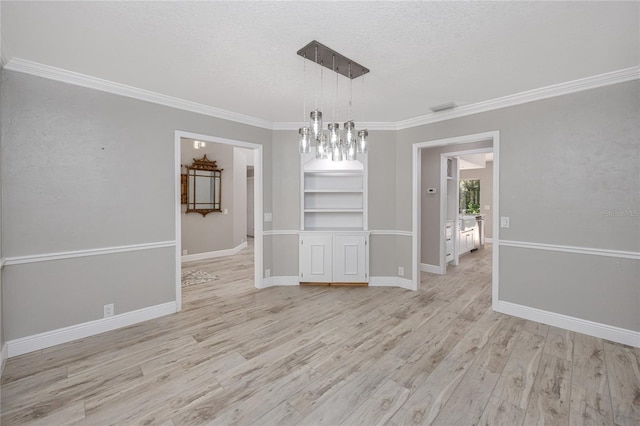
(203,164)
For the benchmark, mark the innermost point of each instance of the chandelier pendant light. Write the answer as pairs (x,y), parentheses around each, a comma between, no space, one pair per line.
(332,144)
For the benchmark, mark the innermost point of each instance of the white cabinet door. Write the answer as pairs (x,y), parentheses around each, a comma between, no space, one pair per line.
(316,258)
(349,258)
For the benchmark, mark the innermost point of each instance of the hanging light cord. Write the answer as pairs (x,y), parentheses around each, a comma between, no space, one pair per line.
(350,91)
(304,90)
(363,102)
(336,95)
(317,86)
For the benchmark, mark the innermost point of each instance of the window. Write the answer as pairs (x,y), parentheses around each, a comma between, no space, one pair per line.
(469,196)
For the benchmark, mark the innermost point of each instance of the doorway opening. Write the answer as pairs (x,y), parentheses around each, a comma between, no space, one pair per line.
(244,156)
(436,196)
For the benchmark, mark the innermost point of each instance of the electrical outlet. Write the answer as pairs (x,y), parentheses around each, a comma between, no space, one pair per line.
(267,273)
(401,271)
(268,217)
(108,310)
(225,211)
(185,252)
(504,222)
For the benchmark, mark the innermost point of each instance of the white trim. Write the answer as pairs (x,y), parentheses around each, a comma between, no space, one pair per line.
(285,280)
(572,249)
(3,357)
(257,203)
(565,88)
(381,125)
(603,331)
(392,282)
(281,232)
(392,232)
(214,254)
(77,79)
(18,260)
(47,339)
(600,80)
(433,269)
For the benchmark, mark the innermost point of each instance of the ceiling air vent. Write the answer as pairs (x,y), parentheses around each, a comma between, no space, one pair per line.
(443,107)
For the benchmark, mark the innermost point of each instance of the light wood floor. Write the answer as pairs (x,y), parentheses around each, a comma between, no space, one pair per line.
(318,355)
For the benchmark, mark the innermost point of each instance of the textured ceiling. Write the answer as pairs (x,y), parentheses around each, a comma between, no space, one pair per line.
(241,56)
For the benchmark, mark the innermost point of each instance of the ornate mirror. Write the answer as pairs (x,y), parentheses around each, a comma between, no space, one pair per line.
(203,187)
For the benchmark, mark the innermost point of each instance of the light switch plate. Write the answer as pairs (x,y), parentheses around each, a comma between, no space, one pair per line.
(504,222)
(268,217)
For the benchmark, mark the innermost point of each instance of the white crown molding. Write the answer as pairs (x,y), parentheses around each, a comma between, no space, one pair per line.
(53,73)
(606,79)
(58,74)
(572,249)
(19,260)
(295,125)
(579,325)
(47,339)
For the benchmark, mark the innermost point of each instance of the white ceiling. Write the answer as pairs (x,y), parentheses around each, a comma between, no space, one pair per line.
(241,56)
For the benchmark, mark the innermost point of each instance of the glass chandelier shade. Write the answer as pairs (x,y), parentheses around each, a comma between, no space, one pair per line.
(334,134)
(304,140)
(349,132)
(336,151)
(362,144)
(322,146)
(316,123)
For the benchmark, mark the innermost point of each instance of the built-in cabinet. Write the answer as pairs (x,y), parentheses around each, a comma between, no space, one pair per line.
(334,242)
(448,241)
(467,231)
(327,257)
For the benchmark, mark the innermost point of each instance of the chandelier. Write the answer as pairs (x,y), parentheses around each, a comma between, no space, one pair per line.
(331,143)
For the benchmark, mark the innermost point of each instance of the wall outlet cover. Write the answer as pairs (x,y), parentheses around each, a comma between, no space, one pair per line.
(267,273)
(108,310)
(401,271)
(268,217)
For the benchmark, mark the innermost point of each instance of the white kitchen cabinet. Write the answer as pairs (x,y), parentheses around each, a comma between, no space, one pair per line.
(327,257)
(448,242)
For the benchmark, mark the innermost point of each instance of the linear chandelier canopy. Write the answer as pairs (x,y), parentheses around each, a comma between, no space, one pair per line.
(333,144)
(326,56)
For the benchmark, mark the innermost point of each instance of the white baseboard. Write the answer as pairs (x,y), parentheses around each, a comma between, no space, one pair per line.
(434,269)
(3,356)
(47,339)
(603,331)
(213,254)
(488,240)
(284,280)
(391,282)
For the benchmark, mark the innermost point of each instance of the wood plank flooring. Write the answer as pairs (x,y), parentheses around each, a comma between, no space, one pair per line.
(329,356)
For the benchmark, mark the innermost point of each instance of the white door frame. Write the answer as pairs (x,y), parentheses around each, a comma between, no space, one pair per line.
(443,203)
(257,202)
(494,136)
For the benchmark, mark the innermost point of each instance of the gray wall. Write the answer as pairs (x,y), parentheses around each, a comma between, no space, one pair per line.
(430,203)
(84,169)
(485,176)
(567,164)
